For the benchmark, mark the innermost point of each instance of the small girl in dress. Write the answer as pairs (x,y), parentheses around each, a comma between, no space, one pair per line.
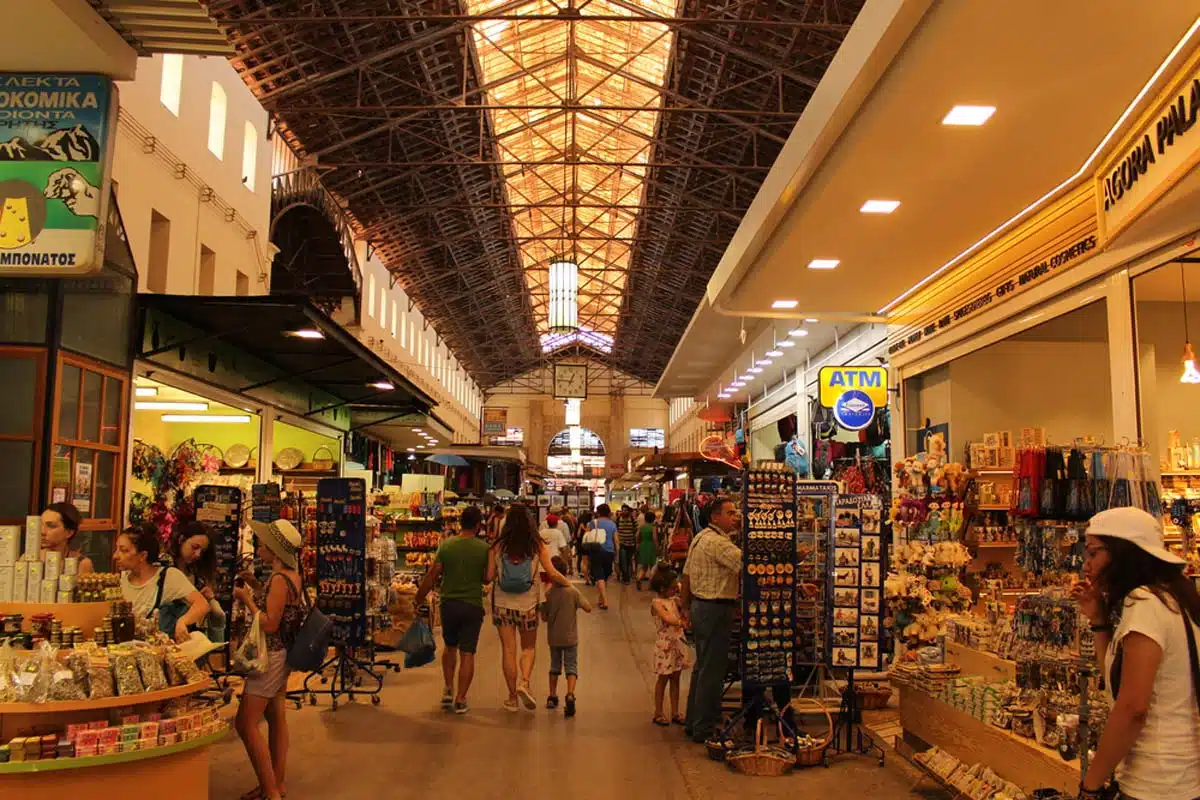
(670,655)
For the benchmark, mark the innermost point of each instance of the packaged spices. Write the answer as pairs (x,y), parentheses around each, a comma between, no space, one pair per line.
(64,686)
(150,667)
(125,671)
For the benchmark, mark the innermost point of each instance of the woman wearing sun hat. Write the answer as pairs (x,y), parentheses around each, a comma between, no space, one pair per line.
(281,605)
(1144,612)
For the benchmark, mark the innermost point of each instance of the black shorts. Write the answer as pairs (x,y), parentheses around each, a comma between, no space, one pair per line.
(461,623)
(600,563)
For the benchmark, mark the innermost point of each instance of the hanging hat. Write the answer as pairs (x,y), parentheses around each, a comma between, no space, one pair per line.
(281,537)
(197,646)
(1135,526)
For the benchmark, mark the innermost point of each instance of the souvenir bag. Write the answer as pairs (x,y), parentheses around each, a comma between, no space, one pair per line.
(1100,482)
(1026,492)
(308,649)
(1079,491)
(1120,493)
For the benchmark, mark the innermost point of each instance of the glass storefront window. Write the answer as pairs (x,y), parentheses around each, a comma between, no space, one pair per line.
(23,375)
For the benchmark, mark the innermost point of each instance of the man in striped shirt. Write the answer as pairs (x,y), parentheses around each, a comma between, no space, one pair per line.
(627,537)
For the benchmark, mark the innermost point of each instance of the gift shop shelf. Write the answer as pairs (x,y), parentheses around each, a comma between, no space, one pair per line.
(118,701)
(87,762)
(85,616)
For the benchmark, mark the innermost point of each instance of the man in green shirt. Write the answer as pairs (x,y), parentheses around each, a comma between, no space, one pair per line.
(461,563)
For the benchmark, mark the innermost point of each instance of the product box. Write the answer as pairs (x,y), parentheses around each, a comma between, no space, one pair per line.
(33,538)
(33,594)
(109,736)
(74,729)
(49,590)
(51,565)
(66,583)
(65,597)
(10,544)
(149,730)
(16,749)
(20,585)
(71,566)
(6,583)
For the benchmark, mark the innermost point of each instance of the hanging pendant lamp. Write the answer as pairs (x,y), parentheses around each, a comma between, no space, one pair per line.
(564,297)
(1190,373)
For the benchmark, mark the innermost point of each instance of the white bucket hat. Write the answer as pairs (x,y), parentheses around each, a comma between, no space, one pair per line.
(281,537)
(1135,526)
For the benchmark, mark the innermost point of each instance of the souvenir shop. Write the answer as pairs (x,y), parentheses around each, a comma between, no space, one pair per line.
(1058,385)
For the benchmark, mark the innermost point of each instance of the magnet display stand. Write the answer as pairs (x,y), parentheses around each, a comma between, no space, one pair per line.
(858,567)
(220,509)
(342,590)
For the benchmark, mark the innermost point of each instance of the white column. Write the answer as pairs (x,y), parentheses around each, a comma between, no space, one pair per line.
(1122,359)
(266,445)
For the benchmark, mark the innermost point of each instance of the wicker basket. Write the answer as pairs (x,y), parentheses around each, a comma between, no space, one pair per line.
(322,463)
(874,699)
(815,755)
(716,750)
(762,762)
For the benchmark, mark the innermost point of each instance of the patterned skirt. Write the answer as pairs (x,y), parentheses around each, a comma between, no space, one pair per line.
(515,618)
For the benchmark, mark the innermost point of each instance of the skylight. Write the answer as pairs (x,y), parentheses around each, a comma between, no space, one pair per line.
(597,341)
(567,201)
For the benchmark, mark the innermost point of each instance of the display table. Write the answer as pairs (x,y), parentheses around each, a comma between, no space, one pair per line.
(976,662)
(1014,758)
(23,719)
(85,616)
(178,771)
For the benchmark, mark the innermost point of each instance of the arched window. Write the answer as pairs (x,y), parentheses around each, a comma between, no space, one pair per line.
(588,443)
(216,121)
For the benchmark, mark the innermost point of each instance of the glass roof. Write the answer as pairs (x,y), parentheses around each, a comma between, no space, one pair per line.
(574,168)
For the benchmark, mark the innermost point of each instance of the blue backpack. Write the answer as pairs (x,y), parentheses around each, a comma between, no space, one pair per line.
(515,578)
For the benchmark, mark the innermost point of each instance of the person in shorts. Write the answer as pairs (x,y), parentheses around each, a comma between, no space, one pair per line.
(562,634)
(461,563)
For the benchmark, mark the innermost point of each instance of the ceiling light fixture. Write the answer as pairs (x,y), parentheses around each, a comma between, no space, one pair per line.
(723,396)
(411,449)
(163,405)
(796,333)
(145,391)
(417,430)
(1190,373)
(231,418)
(564,297)
(785,304)
(879,206)
(824,263)
(307,333)
(972,116)
(775,353)
(786,343)
(763,362)
(755,370)
(810,320)
(383,386)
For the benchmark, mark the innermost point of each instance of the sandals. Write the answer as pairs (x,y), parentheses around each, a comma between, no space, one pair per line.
(678,719)
(661,722)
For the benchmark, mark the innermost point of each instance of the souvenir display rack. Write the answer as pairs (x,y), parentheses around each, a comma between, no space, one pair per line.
(815,502)
(220,508)
(342,592)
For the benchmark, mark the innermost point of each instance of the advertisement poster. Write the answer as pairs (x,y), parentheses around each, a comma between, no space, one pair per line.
(81,488)
(55,152)
(495,421)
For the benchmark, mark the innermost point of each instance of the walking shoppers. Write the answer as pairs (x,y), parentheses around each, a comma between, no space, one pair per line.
(556,541)
(581,555)
(1145,614)
(562,634)
(627,537)
(710,580)
(461,563)
(601,541)
(514,562)
(647,549)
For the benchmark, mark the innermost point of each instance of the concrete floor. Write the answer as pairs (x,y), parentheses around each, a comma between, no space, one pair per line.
(408,748)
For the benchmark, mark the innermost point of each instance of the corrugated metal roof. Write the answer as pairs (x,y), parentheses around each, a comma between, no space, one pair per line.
(165,26)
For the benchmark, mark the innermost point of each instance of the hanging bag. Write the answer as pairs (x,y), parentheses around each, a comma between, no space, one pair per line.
(251,655)
(308,649)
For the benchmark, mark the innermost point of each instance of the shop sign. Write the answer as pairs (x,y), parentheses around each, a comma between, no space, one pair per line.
(853,393)
(55,153)
(495,421)
(1159,153)
(1001,291)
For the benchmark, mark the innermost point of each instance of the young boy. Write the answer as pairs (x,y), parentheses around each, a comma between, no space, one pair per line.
(559,611)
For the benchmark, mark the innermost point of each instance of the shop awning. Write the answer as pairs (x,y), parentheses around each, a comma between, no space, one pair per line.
(482,452)
(292,344)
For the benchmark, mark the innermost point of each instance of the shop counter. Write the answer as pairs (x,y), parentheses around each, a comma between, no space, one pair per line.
(991,667)
(1014,758)
(178,771)
(19,719)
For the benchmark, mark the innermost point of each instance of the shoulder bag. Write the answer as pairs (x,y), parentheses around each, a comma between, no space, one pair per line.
(308,649)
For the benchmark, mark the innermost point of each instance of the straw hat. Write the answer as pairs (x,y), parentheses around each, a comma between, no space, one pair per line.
(281,537)
(197,646)
(1136,527)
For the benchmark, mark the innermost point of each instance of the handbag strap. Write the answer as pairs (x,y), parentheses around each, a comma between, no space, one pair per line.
(162,578)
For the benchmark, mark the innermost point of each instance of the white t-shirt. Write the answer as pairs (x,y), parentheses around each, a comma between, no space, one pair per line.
(176,586)
(1165,760)
(556,541)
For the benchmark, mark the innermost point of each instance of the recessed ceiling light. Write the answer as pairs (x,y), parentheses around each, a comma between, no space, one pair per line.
(307,333)
(797,332)
(723,396)
(738,384)
(879,206)
(786,343)
(755,370)
(763,362)
(417,430)
(383,385)
(823,263)
(969,115)
(412,449)
(420,447)
(167,405)
(206,418)
(145,391)
(810,320)
(774,353)
(785,304)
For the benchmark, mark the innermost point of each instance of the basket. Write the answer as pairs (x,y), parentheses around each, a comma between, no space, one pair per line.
(874,699)
(716,750)
(815,754)
(325,463)
(764,761)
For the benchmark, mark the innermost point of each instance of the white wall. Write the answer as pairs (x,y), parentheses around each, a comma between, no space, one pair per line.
(1167,404)
(152,146)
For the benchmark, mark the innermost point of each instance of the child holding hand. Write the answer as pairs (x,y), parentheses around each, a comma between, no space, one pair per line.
(670,655)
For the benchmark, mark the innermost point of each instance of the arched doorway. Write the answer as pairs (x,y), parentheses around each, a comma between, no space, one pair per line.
(576,461)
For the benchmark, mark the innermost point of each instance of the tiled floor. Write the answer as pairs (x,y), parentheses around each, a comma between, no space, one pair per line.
(408,748)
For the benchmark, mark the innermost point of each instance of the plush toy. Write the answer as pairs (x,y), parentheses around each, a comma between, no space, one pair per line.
(935,450)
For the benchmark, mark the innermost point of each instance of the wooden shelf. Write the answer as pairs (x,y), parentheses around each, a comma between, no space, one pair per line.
(983,545)
(1007,472)
(120,701)
(1186,473)
(300,473)
(86,616)
(60,764)
(993,508)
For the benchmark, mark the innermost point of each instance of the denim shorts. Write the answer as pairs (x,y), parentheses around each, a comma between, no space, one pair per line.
(564,659)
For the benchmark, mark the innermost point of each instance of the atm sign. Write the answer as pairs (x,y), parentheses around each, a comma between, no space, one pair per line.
(836,381)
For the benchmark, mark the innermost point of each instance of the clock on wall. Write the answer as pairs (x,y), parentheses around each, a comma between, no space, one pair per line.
(570,381)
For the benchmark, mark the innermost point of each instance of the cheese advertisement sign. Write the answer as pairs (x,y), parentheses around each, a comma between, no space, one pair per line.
(56,134)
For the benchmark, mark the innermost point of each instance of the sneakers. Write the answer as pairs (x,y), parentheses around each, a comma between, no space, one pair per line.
(552,702)
(512,705)
(526,697)
(447,698)
(569,709)
(460,707)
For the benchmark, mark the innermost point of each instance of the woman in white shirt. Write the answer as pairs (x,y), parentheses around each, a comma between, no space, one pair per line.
(514,564)
(1133,592)
(150,587)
